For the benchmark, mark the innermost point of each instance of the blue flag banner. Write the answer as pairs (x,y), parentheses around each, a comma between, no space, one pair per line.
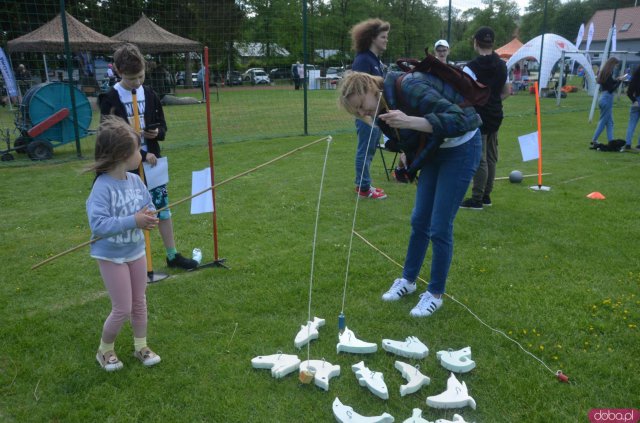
(7,75)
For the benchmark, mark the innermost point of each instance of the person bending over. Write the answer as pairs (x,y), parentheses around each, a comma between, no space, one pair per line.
(454,143)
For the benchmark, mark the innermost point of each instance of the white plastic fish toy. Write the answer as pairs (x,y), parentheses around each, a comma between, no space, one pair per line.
(308,332)
(349,343)
(280,364)
(345,414)
(412,347)
(456,396)
(372,380)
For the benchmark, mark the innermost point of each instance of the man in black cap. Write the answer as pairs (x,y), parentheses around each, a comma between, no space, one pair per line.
(489,69)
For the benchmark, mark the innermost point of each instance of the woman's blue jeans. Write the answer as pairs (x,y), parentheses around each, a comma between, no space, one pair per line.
(364,152)
(606,116)
(442,185)
(634,115)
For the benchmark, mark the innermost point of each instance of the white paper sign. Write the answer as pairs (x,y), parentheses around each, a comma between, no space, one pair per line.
(529,146)
(201,180)
(156,175)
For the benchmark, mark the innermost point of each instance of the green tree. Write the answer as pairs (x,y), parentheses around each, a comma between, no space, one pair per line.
(499,15)
(532,21)
(415,26)
(569,17)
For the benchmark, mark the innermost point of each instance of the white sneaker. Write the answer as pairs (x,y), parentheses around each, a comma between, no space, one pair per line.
(399,289)
(109,361)
(147,357)
(427,305)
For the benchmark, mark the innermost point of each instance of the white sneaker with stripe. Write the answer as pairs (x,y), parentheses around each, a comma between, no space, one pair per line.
(399,289)
(427,305)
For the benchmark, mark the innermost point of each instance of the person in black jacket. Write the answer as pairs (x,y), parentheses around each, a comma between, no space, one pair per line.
(608,85)
(489,69)
(130,65)
(633,92)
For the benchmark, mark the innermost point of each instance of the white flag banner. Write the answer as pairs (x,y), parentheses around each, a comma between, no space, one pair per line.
(589,36)
(529,146)
(7,75)
(580,36)
(201,180)
(614,36)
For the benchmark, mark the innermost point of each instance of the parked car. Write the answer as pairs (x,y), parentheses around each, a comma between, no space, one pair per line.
(233,78)
(334,72)
(215,77)
(260,77)
(280,73)
(248,74)
(180,79)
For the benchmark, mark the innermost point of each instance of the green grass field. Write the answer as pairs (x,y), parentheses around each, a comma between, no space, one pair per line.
(555,271)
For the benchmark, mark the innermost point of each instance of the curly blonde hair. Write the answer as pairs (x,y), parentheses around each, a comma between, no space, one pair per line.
(363,34)
(359,84)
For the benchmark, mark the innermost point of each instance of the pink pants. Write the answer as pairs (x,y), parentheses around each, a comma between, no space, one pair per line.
(126,284)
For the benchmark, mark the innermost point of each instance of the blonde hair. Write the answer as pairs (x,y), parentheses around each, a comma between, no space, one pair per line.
(128,59)
(116,141)
(358,84)
(363,34)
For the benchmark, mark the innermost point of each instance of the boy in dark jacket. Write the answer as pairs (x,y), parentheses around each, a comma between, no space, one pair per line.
(489,69)
(130,65)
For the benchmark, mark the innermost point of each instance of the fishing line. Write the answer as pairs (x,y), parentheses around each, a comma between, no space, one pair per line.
(313,245)
(341,318)
(558,373)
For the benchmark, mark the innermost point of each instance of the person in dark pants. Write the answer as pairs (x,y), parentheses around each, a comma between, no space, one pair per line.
(608,86)
(118,101)
(435,115)
(633,92)
(295,75)
(489,69)
(369,40)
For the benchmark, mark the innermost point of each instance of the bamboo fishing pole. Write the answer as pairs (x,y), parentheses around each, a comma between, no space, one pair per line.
(246,172)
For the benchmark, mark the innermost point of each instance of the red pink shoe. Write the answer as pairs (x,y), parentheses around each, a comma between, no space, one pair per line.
(373,193)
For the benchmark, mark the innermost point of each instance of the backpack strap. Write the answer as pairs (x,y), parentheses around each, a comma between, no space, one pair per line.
(474,92)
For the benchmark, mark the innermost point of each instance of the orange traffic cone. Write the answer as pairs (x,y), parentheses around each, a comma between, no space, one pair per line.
(596,196)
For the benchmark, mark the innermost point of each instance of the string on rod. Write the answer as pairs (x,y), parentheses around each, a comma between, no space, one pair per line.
(341,318)
(313,245)
(462,305)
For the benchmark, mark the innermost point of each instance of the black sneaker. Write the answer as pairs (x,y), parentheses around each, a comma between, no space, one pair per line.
(627,147)
(472,204)
(182,262)
(486,201)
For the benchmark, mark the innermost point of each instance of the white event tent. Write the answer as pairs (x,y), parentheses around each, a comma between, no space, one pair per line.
(552,53)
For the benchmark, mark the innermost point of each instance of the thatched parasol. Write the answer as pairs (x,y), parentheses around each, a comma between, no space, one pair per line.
(151,38)
(49,38)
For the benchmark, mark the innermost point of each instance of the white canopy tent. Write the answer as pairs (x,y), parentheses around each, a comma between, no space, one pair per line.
(553,47)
